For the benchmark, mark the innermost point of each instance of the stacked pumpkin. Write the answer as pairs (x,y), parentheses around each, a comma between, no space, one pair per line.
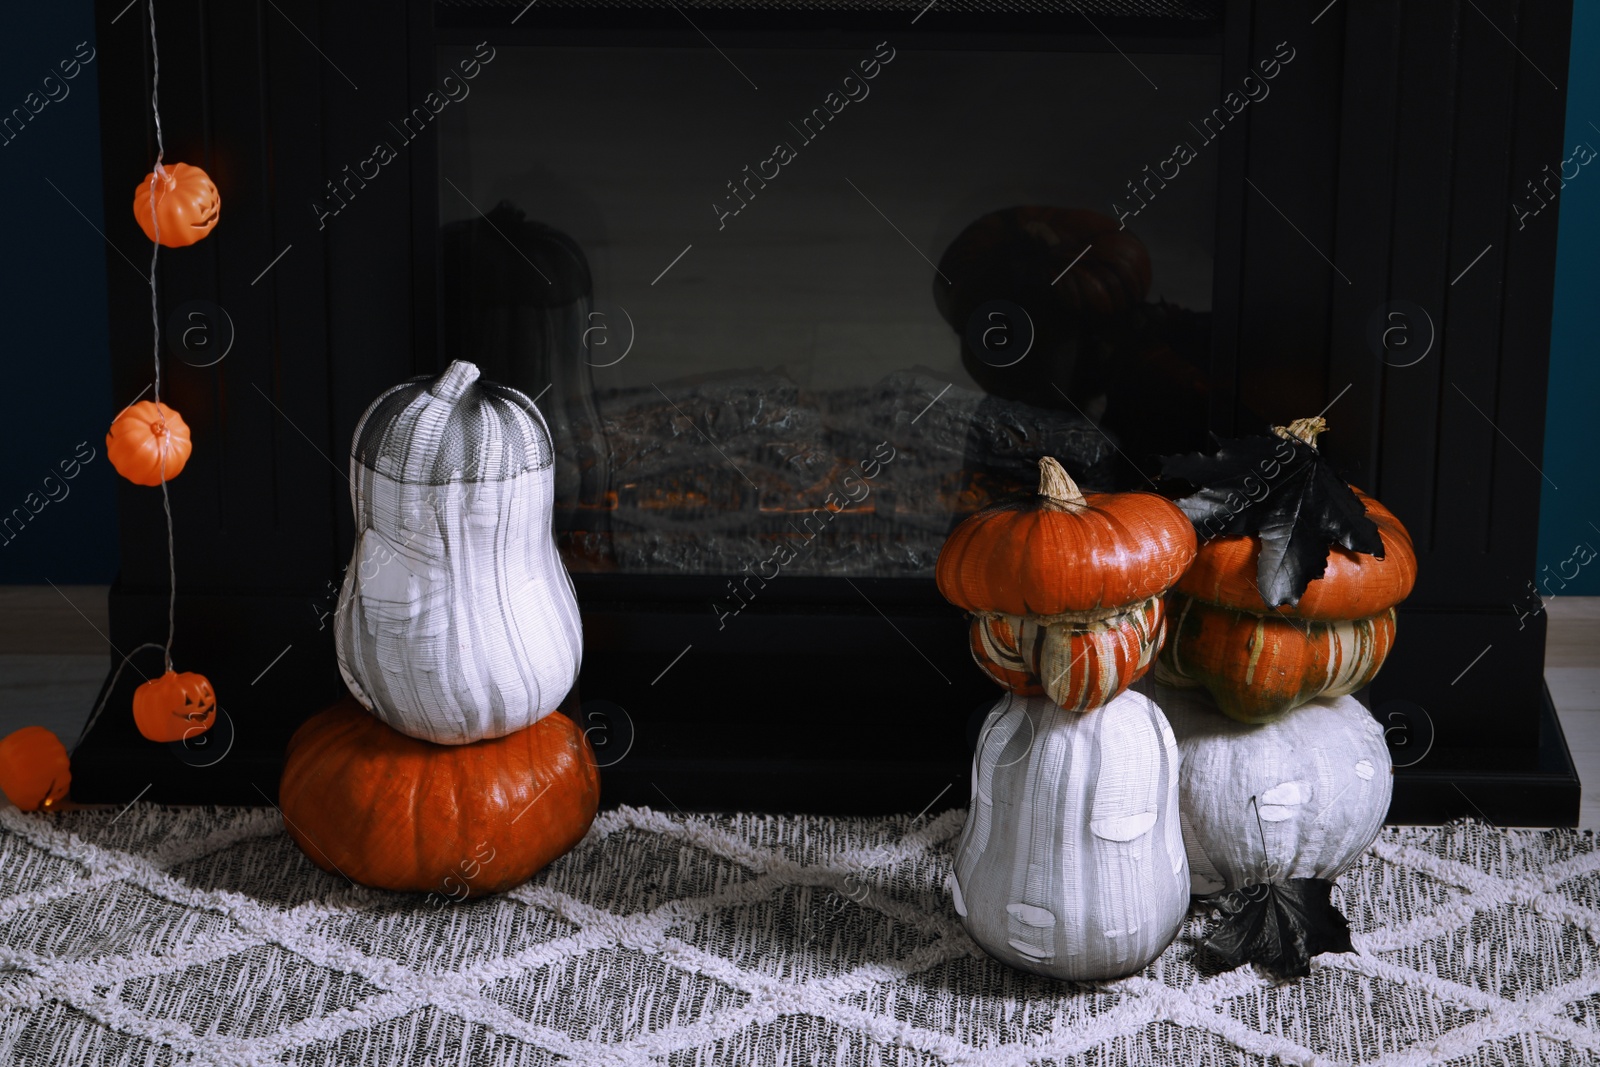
(1288,609)
(1072,863)
(1293,595)
(458,635)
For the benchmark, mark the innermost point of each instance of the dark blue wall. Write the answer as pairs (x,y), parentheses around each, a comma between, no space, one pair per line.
(53,264)
(1569,513)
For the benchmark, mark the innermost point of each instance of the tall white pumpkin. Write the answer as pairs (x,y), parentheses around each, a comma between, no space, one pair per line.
(1300,797)
(1072,864)
(457,621)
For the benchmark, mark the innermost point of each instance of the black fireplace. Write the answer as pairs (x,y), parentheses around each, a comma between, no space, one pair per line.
(797,287)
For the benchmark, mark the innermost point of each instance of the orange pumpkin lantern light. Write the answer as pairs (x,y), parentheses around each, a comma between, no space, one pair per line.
(34,770)
(174,706)
(148,443)
(187,204)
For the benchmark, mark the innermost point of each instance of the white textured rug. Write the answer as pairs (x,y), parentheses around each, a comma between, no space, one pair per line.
(201,936)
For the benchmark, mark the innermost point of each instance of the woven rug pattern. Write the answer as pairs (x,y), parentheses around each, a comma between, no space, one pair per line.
(165,936)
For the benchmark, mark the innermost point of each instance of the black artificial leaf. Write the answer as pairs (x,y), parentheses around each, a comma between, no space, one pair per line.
(1230,480)
(1282,491)
(1278,927)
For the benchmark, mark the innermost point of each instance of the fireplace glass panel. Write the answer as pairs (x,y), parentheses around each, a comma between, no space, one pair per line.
(808,327)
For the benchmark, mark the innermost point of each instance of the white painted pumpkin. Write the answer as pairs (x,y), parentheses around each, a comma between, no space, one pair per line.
(1072,864)
(1300,797)
(456,621)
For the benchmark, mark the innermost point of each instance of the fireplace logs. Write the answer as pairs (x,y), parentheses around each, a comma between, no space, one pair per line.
(713,472)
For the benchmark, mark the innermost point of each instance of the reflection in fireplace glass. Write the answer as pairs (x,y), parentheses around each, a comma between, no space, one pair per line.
(820,367)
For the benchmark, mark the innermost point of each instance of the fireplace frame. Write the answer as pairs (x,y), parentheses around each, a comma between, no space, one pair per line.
(1387,156)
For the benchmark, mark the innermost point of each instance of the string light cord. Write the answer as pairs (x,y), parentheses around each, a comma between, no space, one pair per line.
(111,688)
(159,174)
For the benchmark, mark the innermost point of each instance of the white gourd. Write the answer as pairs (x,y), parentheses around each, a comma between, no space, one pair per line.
(456,620)
(1072,863)
(1300,797)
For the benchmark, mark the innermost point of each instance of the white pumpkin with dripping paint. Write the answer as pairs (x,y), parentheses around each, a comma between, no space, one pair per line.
(1072,863)
(1300,797)
(457,621)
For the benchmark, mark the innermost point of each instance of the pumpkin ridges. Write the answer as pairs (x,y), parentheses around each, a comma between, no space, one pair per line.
(423,796)
(142,437)
(998,639)
(322,751)
(1079,665)
(1104,555)
(1222,765)
(1352,586)
(1113,897)
(1258,667)
(440,796)
(460,449)
(187,204)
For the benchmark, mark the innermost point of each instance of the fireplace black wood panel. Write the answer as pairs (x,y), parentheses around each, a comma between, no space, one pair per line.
(1367,261)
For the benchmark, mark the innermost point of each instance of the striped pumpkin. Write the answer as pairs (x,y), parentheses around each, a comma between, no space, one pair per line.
(1259,667)
(1260,662)
(1301,797)
(1072,863)
(1078,664)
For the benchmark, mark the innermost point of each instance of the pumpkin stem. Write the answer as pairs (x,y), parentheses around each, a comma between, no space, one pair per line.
(1057,485)
(450,385)
(1304,430)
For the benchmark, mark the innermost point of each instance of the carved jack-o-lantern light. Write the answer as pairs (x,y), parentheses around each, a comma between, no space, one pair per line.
(187,204)
(175,706)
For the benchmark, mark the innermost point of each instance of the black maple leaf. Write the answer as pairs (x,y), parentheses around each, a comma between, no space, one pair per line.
(1279,488)
(1278,927)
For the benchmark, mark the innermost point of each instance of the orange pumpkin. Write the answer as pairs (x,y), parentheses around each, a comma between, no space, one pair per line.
(1061,552)
(174,706)
(148,442)
(34,770)
(391,811)
(187,205)
(1079,665)
(1260,667)
(1355,585)
(1259,663)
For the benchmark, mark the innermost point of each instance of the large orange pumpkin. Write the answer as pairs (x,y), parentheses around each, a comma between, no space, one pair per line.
(1061,552)
(187,205)
(391,811)
(34,770)
(148,443)
(1078,664)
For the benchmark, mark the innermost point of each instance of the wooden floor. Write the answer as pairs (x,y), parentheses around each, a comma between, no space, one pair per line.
(1572,670)
(53,657)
